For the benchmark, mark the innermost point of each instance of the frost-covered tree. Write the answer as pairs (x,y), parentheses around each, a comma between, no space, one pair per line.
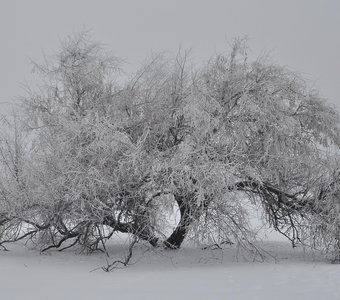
(94,153)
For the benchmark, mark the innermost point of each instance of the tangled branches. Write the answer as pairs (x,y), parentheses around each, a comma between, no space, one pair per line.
(89,155)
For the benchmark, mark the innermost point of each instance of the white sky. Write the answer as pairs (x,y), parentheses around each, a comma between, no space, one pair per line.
(303,35)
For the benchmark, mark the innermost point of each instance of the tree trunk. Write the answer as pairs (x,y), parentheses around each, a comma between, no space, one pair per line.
(177,237)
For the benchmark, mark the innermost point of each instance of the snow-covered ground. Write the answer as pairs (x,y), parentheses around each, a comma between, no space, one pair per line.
(189,273)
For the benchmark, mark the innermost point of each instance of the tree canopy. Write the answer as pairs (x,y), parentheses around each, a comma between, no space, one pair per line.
(92,152)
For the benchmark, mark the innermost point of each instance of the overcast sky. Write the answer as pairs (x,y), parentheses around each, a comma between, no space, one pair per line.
(303,35)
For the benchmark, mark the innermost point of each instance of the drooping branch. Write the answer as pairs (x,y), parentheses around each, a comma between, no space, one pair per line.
(134,228)
(285,210)
(61,241)
(290,201)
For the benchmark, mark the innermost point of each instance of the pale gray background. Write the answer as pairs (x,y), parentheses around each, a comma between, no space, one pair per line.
(303,35)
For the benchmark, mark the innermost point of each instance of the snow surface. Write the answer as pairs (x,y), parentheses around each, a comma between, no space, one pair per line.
(189,273)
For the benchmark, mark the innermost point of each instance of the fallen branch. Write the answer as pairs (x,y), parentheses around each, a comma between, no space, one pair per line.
(114,265)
